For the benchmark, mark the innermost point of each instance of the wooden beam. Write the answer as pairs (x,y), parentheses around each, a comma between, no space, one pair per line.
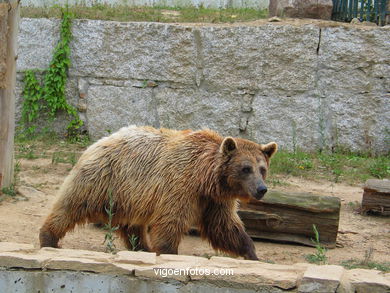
(9,21)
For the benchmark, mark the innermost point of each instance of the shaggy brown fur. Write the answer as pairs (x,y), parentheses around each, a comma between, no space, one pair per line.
(163,182)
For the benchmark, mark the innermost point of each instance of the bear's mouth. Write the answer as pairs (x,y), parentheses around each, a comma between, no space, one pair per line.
(259,196)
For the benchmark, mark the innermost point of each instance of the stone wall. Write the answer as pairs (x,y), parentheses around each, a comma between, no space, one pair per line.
(170,3)
(310,85)
(25,269)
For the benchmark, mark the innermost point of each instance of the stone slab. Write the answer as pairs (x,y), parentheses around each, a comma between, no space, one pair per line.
(321,279)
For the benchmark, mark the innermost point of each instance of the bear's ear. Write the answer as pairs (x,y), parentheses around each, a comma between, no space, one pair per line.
(228,146)
(269,149)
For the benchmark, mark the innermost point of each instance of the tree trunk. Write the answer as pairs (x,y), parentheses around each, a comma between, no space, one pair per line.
(9,20)
(289,217)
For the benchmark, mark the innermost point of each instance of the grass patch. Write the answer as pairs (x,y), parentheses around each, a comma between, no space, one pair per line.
(64,157)
(371,265)
(336,167)
(41,146)
(153,14)
(366,263)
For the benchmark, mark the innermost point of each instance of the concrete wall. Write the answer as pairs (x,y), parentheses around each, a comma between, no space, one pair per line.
(258,4)
(24,269)
(301,85)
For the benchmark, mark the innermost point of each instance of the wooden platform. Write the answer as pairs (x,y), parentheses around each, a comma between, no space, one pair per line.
(376,197)
(289,217)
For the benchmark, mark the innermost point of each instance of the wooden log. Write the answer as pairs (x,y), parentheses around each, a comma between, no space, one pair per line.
(289,217)
(9,19)
(376,197)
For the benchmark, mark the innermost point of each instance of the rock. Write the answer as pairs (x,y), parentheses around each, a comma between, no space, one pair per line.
(195,260)
(87,264)
(354,88)
(369,23)
(28,192)
(275,65)
(355,21)
(136,257)
(22,260)
(321,9)
(274,19)
(83,86)
(321,279)
(11,246)
(141,50)
(361,281)
(82,107)
(151,83)
(301,85)
(74,253)
(198,108)
(253,275)
(171,270)
(111,108)
(37,39)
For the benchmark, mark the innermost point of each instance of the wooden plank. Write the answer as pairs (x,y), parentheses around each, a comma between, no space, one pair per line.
(9,19)
(376,197)
(289,217)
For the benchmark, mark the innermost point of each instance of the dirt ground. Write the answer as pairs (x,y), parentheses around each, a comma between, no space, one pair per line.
(39,180)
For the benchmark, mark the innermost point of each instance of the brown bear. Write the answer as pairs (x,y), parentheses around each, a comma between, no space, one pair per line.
(163,182)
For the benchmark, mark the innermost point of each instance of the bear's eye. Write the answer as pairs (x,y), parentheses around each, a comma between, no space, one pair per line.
(247,170)
(263,171)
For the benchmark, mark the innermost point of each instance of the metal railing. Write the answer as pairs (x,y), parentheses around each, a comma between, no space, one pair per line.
(365,10)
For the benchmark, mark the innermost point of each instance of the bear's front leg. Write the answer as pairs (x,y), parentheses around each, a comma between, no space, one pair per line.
(223,228)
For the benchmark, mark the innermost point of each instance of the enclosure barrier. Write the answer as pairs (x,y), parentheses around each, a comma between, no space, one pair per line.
(25,269)
(365,10)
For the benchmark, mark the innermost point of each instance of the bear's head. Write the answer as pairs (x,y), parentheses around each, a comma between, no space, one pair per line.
(245,167)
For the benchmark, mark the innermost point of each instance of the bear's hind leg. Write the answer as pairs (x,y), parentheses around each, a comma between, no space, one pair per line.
(134,237)
(165,239)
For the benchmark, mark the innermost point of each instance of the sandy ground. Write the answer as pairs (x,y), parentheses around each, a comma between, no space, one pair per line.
(39,180)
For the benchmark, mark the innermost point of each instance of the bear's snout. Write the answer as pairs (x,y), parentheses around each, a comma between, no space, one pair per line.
(260,192)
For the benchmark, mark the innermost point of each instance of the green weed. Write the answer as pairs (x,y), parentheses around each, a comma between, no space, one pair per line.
(109,236)
(10,191)
(320,256)
(47,100)
(134,242)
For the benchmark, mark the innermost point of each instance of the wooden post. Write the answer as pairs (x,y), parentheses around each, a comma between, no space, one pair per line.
(9,21)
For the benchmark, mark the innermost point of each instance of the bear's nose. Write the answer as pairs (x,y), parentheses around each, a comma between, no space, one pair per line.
(261,190)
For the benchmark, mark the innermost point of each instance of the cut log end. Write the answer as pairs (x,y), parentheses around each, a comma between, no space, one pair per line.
(376,197)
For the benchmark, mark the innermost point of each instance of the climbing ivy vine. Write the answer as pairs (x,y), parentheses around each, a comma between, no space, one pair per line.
(47,98)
